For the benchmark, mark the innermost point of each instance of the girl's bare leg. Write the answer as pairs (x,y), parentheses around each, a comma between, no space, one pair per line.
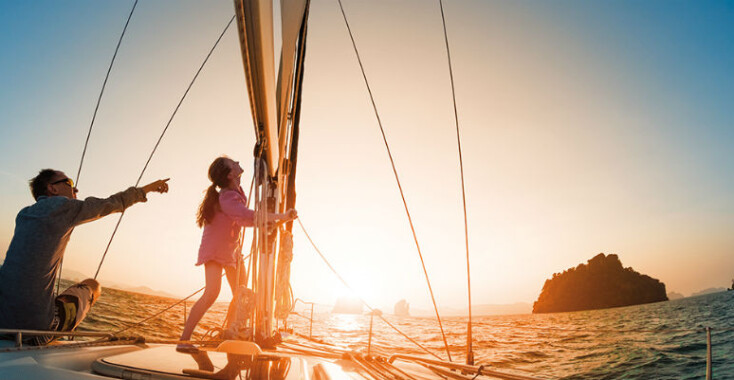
(232,279)
(213,273)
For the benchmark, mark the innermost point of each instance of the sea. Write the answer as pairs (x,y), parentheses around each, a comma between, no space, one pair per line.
(665,340)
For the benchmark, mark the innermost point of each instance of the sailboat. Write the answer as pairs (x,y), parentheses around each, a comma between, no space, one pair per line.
(262,352)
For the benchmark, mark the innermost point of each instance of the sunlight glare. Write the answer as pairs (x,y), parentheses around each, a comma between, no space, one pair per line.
(346,322)
(362,288)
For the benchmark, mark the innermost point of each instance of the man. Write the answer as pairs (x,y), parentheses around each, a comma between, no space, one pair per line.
(42,231)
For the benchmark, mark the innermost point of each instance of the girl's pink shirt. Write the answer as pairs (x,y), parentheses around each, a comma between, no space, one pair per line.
(220,241)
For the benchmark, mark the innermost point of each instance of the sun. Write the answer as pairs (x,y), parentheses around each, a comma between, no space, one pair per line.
(361,288)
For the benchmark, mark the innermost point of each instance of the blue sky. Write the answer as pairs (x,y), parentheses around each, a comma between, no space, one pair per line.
(587,127)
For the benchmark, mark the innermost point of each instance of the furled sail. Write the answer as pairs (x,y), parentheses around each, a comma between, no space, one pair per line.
(275,112)
(255,26)
(290,76)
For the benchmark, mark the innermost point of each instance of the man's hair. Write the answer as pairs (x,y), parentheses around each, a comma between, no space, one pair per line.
(39,184)
(93,286)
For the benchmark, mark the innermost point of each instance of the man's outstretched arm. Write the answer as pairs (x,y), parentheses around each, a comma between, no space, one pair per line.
(89,209)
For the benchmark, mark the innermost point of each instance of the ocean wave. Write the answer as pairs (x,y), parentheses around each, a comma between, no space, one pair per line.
(664,340)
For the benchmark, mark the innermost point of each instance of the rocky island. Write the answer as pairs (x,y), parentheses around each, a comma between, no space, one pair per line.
(601,283)
(402,308)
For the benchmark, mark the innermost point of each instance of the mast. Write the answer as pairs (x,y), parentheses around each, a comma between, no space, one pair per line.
(290,78)
(275,108)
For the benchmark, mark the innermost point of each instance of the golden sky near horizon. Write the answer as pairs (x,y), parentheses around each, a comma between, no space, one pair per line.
(584,130)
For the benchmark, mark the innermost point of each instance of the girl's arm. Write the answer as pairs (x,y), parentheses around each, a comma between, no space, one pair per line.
(285,217)
(233,207)
(277,218)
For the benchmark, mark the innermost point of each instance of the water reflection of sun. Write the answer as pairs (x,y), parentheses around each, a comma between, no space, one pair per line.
(346,322)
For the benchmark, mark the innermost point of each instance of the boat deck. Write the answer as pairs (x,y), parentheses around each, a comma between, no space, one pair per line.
(162,361)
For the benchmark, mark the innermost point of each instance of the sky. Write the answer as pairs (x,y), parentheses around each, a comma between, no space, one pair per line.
(586,127)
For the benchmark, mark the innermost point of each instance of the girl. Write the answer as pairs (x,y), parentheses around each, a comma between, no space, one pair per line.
(222,214)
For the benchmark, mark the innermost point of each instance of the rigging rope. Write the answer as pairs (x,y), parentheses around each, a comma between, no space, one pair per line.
(168,124)
(194,293)
(160,312)
(91,124)
(469,351)
(95,343)
(240,266)
(350,288)
(397,179)
(99,98)
(167,308)
(259,237)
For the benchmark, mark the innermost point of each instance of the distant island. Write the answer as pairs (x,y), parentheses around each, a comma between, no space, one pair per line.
(76,276)
(675,296)
(402,308)
(601,283)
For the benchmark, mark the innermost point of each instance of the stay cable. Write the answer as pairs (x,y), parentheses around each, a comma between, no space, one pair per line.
(168,124)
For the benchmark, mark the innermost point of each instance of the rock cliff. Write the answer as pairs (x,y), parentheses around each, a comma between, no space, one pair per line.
(601,283)
(402,308)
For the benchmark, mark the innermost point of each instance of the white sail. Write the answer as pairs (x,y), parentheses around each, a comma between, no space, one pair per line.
(255,24)
(292,14)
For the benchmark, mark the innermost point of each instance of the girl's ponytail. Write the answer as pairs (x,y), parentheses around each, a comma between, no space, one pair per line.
(218,172)
(208,206)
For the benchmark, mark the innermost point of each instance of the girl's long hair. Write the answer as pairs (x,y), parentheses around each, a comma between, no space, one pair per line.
(218,172)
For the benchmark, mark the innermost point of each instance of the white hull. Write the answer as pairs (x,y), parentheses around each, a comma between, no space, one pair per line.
(294,359)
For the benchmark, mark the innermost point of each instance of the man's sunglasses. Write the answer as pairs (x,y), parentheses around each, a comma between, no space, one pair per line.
(67,181)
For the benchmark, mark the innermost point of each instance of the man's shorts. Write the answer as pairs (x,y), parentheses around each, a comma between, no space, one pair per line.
(71,307)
